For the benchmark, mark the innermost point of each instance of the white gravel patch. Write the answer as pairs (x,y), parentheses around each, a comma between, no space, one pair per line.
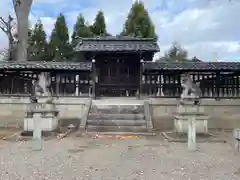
(136,159)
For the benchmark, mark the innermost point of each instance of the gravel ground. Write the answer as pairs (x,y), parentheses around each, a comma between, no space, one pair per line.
(134,159)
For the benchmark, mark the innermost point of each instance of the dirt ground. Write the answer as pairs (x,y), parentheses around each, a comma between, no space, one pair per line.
(141,158)
(6,132)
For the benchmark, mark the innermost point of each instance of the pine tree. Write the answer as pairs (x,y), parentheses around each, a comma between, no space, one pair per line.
(60,48)
(175,54)
(81,29)
(138,23)
(37,49)
(99,26)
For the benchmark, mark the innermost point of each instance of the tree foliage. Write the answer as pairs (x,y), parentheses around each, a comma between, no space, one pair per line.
(175,54)
(60,48)
(38,46)
(138,23)
(99,26)
(81,29)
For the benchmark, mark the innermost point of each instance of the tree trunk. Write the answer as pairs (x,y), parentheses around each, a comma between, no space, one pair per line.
(22,8)
(10,48)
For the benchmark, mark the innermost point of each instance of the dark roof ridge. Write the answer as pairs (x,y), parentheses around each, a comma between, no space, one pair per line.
(46,65)
(116,38)
(204,65)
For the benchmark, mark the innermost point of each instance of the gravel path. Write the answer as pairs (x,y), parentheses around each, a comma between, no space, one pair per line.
(135,159)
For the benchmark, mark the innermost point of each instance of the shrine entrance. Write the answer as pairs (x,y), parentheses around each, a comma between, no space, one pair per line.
(116,63)
(118,77)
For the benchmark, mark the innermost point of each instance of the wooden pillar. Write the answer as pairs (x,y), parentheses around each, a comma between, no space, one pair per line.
(118,68)
(94,78)
(237,85)
(76,85)
(58,80)
(140,79)
(217,85)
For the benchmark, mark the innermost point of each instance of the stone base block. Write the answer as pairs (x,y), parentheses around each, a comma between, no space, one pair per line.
(181,124)
(236,137)
(184,112)
(49,122)
(190,109)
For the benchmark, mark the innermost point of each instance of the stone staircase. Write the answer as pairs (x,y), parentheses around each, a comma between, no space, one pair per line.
(118,118)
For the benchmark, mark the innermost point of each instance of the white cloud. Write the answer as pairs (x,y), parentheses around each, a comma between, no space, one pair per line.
(48,24)
(204,27)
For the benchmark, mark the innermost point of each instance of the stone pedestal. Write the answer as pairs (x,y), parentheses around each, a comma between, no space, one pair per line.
(48,118)
(186,112)
(236,137)
(191,119)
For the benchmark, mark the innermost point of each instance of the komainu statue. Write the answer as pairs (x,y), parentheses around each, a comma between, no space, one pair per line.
(42,87)
(191,91)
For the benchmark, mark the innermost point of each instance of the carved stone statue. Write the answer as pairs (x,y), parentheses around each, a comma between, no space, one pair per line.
(191,91)
(42,87)
(45,110)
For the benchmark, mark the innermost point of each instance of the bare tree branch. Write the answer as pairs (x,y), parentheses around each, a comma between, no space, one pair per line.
(7,26)
(3,25)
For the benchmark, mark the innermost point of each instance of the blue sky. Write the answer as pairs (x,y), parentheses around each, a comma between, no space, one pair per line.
(206,28)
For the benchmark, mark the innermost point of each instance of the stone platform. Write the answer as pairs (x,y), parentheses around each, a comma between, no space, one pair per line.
(49,118)
(184,112)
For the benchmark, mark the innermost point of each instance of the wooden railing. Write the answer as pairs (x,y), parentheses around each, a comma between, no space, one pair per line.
(212,84)
(62,84)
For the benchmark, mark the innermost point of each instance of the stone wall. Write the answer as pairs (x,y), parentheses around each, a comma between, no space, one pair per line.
(12,110)
(223,114)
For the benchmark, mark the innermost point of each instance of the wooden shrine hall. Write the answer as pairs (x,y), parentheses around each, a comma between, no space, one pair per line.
(117,62)
(120,66)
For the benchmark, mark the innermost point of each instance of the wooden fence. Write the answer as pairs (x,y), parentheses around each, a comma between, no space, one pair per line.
(19,83)
(213,84)
(164,84)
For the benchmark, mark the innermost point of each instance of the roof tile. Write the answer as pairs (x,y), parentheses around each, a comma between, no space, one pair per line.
(46,65)
(117,44)
(192,66)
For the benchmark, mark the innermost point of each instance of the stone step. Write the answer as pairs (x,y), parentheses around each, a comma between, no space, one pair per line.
(117,100)
(103,122)
(96,116)
(127,133)
(117,109)
(91,128)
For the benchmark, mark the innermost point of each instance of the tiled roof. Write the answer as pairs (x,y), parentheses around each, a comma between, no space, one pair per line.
(147,65)
(192,66)
(46,65)
(117,44)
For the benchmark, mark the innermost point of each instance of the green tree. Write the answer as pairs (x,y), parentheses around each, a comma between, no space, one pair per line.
(37,50)
(175,54)
(81,29)
(99,26)
(139,23)
(59,45)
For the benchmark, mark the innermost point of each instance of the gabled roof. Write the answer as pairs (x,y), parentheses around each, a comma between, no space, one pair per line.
(195,65)
(117,44)
(31,65)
